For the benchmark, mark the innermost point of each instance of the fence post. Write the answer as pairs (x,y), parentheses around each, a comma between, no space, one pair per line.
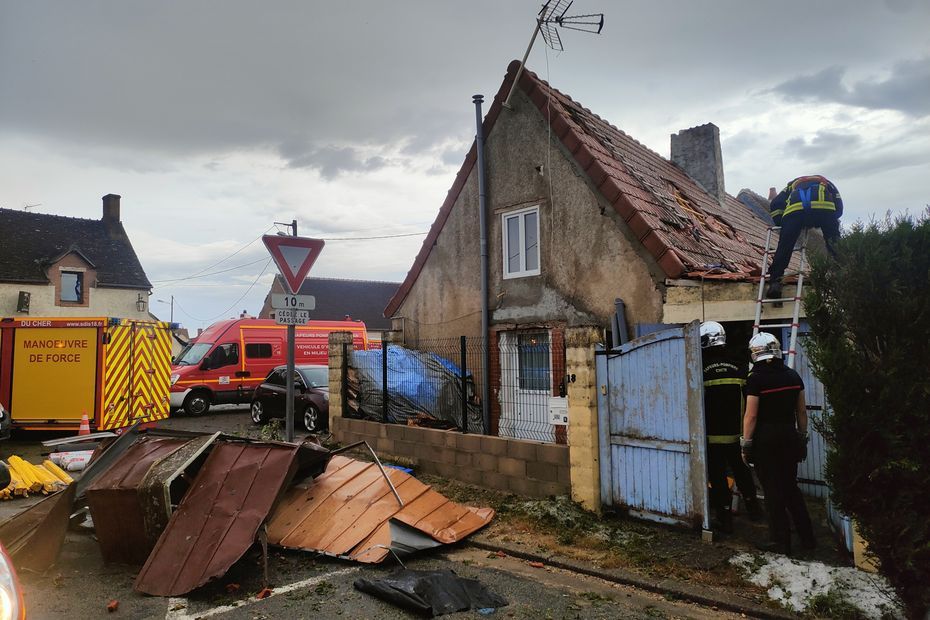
(384,382)
(464,372)
(340,346)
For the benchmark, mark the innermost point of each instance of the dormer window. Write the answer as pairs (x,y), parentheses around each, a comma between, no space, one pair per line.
(72,287)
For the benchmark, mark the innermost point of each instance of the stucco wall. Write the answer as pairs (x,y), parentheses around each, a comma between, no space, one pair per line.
(690,300)
(586,256)
(102,302)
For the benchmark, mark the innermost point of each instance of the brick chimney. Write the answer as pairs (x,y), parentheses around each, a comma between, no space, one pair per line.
(697,152)
(111,208)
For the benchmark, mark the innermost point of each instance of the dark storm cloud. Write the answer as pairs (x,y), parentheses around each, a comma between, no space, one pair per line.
(823,144)
(331,161)
(905,89)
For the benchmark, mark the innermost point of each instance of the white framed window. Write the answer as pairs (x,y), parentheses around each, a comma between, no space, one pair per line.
(521,243)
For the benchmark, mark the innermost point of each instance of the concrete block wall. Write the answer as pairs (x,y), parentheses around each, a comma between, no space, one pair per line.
(584,457)
(528,468)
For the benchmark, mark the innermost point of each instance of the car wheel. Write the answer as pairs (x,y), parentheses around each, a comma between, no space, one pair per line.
(313,421)
(197,403)
(257,412)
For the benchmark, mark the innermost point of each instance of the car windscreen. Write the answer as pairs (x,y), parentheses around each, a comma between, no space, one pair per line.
(317,377)
(193,353)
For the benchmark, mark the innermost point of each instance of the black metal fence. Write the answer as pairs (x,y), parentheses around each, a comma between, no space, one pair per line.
(439,384)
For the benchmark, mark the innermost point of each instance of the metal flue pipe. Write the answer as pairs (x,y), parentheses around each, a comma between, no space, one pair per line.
(483,227)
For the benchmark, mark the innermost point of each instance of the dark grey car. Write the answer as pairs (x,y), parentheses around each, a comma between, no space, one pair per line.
(311,397)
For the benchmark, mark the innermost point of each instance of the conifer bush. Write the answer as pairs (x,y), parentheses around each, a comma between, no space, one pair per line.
(869,312)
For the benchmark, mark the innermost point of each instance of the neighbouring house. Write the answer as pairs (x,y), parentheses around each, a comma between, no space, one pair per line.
(52,265)
(339,299)
(579,215)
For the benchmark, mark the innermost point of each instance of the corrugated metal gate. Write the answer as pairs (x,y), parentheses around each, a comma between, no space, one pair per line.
(651,427)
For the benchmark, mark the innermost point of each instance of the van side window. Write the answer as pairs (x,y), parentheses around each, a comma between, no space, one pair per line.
(257,350)
(224,355)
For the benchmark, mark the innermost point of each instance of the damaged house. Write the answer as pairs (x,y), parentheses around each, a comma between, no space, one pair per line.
(580,215)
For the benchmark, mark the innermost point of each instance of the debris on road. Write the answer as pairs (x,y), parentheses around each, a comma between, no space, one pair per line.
(431,593)
(112,606)
(27,478)
(219,518)
(351,512)
(75,460)
(34,536)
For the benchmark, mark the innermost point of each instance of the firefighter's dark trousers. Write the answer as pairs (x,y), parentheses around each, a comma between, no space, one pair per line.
(791,227)
(719,457)
(775,457)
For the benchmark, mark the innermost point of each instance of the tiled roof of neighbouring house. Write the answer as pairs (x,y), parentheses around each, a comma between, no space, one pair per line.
(360,299)
(686,230)
(30,242)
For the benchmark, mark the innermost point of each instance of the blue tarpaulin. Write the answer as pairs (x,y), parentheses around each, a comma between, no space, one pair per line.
(418,383)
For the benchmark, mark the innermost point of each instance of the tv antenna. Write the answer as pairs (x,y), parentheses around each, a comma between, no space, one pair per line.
(550,18)
(27,206)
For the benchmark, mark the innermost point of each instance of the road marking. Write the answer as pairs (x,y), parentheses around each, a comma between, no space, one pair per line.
(177,607)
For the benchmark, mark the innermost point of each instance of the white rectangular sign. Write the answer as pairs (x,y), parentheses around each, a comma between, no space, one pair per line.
(281,301)
(558,411)
(292,317)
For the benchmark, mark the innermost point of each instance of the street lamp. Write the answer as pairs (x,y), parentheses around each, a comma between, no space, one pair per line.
(162,301)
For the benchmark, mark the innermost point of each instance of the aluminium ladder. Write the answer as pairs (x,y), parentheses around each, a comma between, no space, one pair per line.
(761,300)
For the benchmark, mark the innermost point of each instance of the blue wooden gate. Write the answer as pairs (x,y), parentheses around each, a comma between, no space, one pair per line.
(651,427)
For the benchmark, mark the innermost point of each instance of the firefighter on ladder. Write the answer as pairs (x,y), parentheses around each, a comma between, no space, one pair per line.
(806,202)
(723,412)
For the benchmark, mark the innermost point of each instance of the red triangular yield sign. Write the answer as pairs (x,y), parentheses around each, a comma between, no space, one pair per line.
(294,256)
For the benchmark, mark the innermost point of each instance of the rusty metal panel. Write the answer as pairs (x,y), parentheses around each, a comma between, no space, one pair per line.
(115,504)
(34,536)
(348,510)
(651,427)
(218,519)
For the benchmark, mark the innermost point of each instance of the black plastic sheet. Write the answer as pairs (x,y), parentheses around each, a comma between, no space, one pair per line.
(431,593)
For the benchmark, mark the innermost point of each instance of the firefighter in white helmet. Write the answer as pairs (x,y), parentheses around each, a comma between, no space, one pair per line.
(724,379)
(775,440)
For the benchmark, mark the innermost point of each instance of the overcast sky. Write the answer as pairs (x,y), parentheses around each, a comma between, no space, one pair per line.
(215,119)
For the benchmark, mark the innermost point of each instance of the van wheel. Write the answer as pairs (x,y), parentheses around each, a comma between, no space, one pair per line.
(257,411)
(197,403)
(312,419)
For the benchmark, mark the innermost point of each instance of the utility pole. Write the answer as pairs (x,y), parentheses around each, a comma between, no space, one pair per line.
(291,338)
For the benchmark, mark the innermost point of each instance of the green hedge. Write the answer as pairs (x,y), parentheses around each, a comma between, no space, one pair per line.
(869,312)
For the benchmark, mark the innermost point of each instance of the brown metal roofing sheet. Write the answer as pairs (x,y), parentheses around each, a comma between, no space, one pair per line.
(219,517)
(116,506)
(347,512)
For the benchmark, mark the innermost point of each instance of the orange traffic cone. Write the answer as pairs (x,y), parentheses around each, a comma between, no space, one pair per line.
(85,425)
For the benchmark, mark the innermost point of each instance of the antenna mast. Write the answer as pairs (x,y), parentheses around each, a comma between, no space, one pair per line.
(550,17)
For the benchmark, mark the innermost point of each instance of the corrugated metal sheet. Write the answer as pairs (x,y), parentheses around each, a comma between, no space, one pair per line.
(218,519)
(115,504)
(651,426)
(348,512)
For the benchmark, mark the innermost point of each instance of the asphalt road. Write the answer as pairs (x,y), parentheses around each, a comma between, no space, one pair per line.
(304,586)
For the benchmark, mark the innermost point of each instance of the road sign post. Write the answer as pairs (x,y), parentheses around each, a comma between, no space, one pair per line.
(294,257)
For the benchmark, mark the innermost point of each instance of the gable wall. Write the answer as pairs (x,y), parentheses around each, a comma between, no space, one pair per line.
(587,258)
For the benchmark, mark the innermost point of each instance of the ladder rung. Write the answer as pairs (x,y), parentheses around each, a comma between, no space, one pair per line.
(773,325)
(779,301)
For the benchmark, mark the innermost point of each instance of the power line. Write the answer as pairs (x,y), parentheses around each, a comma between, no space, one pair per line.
(207,275)
(233,305)
(378,237)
